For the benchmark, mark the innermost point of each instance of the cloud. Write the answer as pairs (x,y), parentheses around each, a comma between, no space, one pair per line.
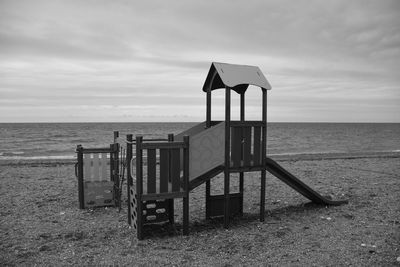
(71,54)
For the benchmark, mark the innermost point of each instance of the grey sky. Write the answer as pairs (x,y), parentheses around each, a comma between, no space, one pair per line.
(147,60)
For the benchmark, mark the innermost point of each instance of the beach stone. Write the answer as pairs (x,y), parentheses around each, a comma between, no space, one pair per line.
(44,248)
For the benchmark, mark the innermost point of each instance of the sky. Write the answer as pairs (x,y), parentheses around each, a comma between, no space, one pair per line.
(129,61)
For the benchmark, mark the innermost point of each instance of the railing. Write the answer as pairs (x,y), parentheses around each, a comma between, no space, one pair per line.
(162,174)
(246,143)
(162,177)
(98,178)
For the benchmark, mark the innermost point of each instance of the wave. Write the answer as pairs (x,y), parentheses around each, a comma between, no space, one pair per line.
(63,157)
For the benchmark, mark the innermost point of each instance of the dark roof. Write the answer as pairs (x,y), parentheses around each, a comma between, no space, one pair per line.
(237,77)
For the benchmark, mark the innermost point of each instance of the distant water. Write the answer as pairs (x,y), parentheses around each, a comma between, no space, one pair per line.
(21,141)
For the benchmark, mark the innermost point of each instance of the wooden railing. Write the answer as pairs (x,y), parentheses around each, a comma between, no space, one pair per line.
(163,176)
(246,143)
(98,177)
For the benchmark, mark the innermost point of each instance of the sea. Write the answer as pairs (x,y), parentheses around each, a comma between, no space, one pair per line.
(41,141)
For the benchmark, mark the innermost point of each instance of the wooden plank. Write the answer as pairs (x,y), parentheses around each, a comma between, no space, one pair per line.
(151,171)
(246,123)
(175,170)
(164,195)
(163,145)
(104,174)
(81,194)
(87,167)
(96,167)
(257,146)
(164,170)
(246,146)
(96,150)
(236,144)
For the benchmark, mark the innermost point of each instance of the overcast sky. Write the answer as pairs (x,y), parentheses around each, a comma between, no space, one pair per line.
(327,61)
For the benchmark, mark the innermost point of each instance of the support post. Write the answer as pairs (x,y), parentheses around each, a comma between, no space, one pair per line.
(170,201)
(241,174)
(227,155)
(186,186)
(129,174)
(81,196)
(139,180)
(263,154)
(208,107)
(114,166)
(208,194)
(116,135)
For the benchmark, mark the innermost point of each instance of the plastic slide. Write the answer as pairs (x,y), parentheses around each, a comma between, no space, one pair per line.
(275,169)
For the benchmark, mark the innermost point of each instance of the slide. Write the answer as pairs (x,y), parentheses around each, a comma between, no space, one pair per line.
(275,169)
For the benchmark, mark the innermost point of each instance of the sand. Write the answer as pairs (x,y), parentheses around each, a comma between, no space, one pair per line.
(41,223)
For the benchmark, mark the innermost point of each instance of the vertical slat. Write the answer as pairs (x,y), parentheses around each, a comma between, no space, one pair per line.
(185,186)
(114,170)
(257,145)
(171,205)
(175,170)
(104,167)
(80,177)
(246,146)
(164,170)
(151,171)
(87,165)
(96,166)
(236,143)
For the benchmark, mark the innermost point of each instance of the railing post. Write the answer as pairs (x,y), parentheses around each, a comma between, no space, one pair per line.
(81,196)
(139,184)
(114,166)
(186,185)
(170,201)
(116,135)
(129,174)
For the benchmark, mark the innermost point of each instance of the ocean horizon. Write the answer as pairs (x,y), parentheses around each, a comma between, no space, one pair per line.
(48,140)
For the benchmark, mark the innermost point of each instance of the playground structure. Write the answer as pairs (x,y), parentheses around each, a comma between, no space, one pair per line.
(166,169)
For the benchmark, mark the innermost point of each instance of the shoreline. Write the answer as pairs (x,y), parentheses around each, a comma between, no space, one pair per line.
(278,157)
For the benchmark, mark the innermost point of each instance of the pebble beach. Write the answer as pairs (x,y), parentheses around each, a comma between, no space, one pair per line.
(40,223)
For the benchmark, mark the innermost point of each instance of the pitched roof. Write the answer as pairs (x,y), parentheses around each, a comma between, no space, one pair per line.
(237,77)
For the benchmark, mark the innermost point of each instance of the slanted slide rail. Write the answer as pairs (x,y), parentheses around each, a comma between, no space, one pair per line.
(278,171)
